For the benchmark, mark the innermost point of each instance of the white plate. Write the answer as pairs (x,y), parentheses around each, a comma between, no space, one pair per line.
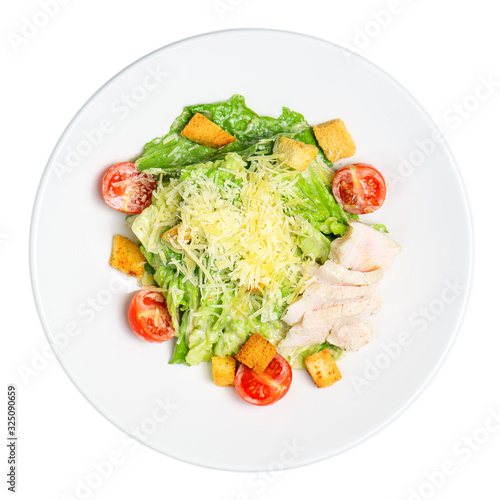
(82,300)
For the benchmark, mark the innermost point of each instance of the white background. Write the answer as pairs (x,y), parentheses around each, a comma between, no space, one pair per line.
(440,51)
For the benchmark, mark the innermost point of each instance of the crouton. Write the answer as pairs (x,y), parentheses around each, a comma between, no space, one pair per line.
(335,140)
(256,289)
(224,370)
(173,234)
(126,256)
(296,154)
(257,353)
(205,132)
(322,368)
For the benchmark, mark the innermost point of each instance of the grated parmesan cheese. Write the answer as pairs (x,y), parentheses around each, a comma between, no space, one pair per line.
(239,231)
(242,245)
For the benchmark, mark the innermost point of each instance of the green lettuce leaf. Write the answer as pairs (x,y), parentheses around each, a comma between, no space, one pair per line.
(234,335)
(181,348)
(239,329)
(169,154)
(296,356)
(318,206)
(204,332)
(154,220)
(380,227)
(313,243)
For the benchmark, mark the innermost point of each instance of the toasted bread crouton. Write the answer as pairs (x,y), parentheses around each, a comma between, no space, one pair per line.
(335,140)
(126,256)
(173,234)
(205,132)
(224,370)
(256,289)
(296,154)
(257,353)
(322,368)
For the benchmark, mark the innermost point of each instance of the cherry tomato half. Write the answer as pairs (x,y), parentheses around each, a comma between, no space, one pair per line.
(148,316)
(268,387)
(359,188)
(126,189)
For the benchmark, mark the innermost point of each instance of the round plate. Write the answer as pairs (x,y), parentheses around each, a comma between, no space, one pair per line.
(178,410)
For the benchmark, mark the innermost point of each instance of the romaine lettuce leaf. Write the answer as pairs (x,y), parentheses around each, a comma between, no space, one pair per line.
(149,225)
(204,332)
(313,243)
(181,348)
(238,330)
(319,207)
(380,227)
(172,152)
(296,355)
(235,334)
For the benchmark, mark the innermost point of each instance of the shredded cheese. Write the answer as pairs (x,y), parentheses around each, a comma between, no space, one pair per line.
(240,235)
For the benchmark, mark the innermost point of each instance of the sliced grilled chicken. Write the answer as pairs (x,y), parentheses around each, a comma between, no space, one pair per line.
(296,310)
(335,274)
(321,295)
(352,335)
(298,336)
(342,292)
(363,248)
(339,292)
(310,269)
(321,318)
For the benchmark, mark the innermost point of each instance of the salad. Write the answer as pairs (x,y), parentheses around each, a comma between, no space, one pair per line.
(251,254)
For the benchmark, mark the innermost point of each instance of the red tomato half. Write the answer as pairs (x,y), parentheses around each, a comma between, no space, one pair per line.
(126,189)
(268,387)
(359,188)
(148,316)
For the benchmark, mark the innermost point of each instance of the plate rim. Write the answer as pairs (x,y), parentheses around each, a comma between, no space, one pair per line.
(468,225)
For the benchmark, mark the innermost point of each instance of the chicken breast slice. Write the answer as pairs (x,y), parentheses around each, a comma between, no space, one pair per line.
(296,310)
(321,295)
(363,248)
(348,333)
(339,292)
(342,295)
(298,336)
(309,269)
(352,335)
(321,318)
(335,274)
